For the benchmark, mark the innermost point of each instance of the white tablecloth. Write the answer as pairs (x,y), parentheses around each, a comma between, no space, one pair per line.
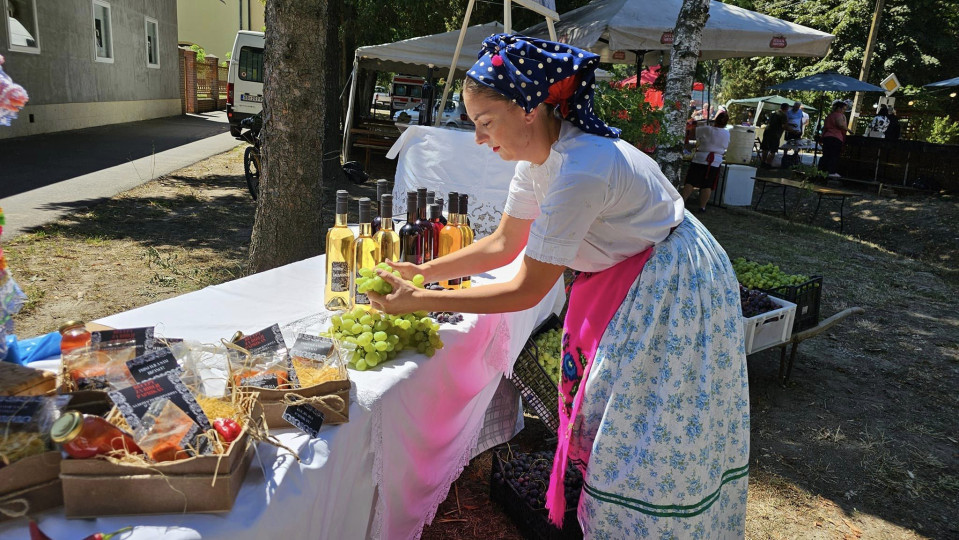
(444,160)
(414,422)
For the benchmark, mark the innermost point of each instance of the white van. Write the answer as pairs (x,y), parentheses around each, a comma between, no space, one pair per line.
(244,86)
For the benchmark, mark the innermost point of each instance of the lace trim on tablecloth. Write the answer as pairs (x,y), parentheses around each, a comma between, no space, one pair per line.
(499,359)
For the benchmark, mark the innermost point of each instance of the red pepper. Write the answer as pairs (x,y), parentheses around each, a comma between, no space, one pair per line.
(101,536)
(227,428)
(36,533)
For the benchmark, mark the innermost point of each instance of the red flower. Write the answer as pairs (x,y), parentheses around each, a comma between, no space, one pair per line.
(622,115)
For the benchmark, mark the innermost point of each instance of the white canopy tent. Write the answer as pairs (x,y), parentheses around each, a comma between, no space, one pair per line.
(617,29)
(414,57)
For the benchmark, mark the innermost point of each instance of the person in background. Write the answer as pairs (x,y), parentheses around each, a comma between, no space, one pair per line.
(893,132)
(879,123)
(794,122)
(654,395)
(833,137)
(775,126)
(805,121)
(703,173)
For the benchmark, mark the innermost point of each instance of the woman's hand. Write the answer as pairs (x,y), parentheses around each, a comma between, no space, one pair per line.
(402,299)
(406,270)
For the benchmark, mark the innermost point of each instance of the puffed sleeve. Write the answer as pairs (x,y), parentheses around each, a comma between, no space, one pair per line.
(521,202)
(571,205)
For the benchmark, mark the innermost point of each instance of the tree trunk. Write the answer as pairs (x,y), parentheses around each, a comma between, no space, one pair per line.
(289,210)
(679,82)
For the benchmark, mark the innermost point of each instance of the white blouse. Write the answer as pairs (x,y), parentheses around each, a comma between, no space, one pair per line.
(595,201)
(713,140)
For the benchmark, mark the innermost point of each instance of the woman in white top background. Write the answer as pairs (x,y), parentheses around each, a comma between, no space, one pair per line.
(703,173)
(654,401)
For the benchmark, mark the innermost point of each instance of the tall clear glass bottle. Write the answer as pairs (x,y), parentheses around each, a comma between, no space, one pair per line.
(366,253)
(382,188)
(451,239)
(424,225)
(465,230)
(386,237)
(411,242)
(339,258)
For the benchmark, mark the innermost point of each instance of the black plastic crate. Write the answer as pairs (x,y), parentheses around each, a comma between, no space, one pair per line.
(807,297)
(538,390)
(533,523)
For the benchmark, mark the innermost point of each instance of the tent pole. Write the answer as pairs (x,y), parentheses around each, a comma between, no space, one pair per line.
(507,17)
(456,59)
(551,28)
(348,124)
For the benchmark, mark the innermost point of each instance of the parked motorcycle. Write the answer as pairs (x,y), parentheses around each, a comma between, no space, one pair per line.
(250,132)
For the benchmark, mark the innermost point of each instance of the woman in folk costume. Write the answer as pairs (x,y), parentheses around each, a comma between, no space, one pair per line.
(654,401)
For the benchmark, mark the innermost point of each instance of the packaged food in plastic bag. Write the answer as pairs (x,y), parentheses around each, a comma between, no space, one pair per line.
(318,359)
(100,366)
(262,360)
(166,433)
(25,425)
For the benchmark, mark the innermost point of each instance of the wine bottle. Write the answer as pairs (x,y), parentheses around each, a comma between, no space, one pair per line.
(366,253)
(424,225)
(382,188)
(437,226)
(386,238)
(439,200)
(450,239)
(411,241)
(430,199)
(465,230)
(339,257)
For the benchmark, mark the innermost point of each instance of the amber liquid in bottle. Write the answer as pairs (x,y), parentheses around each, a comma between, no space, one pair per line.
(450,239)
(466,231)
(386,238)
(339,258)
(382,188)
(366,254)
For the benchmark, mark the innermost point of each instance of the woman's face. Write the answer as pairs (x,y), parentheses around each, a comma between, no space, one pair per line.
(501,125)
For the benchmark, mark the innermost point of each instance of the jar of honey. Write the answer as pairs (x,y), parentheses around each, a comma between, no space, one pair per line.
(84,436)
(73,334)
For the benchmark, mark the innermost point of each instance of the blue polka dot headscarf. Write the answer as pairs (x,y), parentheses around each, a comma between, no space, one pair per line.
(532,71)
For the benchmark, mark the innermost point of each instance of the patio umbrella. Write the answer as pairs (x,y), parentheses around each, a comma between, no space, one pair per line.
(943,84)
(620,30)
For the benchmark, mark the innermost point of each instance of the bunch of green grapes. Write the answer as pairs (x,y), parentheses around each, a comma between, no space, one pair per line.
(379,337)
(368,280)
(550,347)
(764,276)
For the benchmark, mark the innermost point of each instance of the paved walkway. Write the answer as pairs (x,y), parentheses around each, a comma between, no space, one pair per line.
(46,176)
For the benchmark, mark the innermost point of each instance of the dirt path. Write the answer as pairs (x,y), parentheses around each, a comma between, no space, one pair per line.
(862,443)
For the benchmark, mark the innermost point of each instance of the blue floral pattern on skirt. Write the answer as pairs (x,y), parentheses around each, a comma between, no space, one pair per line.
(666,406)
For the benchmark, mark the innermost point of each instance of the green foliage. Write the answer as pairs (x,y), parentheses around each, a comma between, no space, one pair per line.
(200,53)
(943,131)
(809,172)
(627,109)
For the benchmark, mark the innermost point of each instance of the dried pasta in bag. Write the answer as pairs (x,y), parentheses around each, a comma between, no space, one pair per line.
(318,359)
(262,360)
(166,433)
(25,425)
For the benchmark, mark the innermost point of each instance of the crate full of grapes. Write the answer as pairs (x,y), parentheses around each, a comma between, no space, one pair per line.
(804,291)
(518,483)
(767,320)
(536,371)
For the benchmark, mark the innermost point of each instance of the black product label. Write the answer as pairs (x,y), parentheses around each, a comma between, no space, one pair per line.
(315,348)
(306,418)
(152,363)
(266,340)
(143,337)
(19,410)
(340,277)
(134,401)
(360,298)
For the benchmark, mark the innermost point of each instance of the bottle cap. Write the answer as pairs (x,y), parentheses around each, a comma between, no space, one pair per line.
(430,198)
(71,324)
(464,202)
(434,211)
(365,210)
(386,206)
(454,206)
(342,200)
(67,427)
(410,201)
(421,198)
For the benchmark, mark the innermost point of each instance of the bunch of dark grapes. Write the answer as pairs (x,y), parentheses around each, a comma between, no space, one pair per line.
(446,317)
(435,287)
(755,302)
(529,476)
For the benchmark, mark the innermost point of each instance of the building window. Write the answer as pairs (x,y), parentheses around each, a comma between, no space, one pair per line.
(153,50)
(250,66)
(102,32)
(22,28)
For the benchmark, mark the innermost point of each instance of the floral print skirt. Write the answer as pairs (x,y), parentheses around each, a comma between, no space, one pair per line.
(665,414)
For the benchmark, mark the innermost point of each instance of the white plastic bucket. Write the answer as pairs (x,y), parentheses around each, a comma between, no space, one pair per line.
(740,148)
(739,185)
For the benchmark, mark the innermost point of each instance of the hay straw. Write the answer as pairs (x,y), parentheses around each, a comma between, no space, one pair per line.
(16,446)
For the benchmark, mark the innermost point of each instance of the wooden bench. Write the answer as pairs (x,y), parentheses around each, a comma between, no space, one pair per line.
(823,192)
(372,140)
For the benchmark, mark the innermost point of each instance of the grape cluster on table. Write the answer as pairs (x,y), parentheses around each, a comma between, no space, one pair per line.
(755,302)
(368,280)
(529,474)
(446,317)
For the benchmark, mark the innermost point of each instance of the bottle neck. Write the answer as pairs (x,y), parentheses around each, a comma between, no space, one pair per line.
(386,224)
(366,229)
(411,215)
(452,219)
(340,220)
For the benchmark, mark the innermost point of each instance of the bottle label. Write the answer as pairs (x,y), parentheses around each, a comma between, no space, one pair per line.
(361,299)
(340,277)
